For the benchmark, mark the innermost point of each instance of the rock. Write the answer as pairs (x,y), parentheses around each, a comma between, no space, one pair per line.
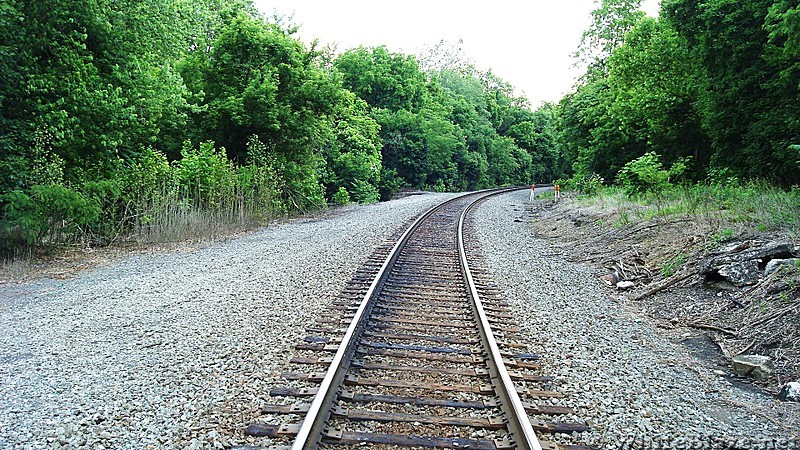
(775,264)
(624,285)
(741,273)
(735,247)
(757,366)
(790,392)
(773,250)
(610,279)
(738,267)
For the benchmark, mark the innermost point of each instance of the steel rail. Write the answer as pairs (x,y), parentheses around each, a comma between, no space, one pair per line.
(312,427)
(518,422)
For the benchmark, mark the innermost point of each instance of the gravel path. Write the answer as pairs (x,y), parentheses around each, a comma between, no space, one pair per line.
(635,384)
(174,350)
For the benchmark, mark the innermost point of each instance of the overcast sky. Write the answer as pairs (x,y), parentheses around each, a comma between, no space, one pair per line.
(527,43)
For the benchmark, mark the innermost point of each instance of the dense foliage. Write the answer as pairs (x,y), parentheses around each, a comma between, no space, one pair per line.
(451,128)
(715,81)
(159,119)
(141,118)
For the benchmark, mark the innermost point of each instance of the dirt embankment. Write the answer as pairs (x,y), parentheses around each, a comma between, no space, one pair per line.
(690,275)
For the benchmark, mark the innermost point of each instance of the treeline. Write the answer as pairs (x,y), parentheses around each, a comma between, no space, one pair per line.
(155,119)
(711,85)
(161,120)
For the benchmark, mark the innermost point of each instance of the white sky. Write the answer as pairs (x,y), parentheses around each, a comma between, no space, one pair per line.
(527,43)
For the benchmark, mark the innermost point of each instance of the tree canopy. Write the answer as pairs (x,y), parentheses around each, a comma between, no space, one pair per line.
(715,80)
(114,109)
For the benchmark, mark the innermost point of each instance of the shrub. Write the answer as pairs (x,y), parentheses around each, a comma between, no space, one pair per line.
(390,183)
(583,183)
(364,192)
(46,215)
(341,197)
(113,214)
(146,176)
(722,177)
(646,175)
(674,264)
(643,174)
(205,174)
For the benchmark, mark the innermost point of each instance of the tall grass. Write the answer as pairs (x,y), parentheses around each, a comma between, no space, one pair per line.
(175,216)
(204,196)
(755,204)
(147,200)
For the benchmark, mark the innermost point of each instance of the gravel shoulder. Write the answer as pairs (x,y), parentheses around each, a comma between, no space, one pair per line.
(637,385)
(174,349)
(177,349)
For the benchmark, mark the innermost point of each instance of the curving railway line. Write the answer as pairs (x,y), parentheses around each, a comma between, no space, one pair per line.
(419,352)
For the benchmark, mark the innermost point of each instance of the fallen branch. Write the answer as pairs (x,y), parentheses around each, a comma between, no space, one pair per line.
(738,303)
(660,287)
(773,316)
(722,347)
(744,350)
(704,326)
(650,225)
(622,269)
(743,246)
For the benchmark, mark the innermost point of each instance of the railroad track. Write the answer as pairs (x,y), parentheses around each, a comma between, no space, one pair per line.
(419,351)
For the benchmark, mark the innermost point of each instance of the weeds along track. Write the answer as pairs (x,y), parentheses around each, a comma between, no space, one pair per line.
(419,351)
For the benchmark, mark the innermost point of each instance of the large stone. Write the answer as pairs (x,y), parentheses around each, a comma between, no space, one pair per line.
(742,267)
(773,250)
(757,366)
(734,247)
(775,264)
(790,392)
(741,273)
(625,285)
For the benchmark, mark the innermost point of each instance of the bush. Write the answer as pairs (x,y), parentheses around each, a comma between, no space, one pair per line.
(643,174)
(646,175)
(145,177)
(147,199)
(390,183)
(46,215)
(722,177)
(364,192)
(113,214)
(205,174)
(588,184)
(341,197)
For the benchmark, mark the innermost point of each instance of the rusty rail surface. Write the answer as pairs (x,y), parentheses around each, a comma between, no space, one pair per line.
(424,360)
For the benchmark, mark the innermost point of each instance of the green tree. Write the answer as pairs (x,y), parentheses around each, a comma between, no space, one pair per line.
(652,81)
(469,112)
(748,81)
(258,80)
(420,143)
(611,21)
(384,80)
(354,157)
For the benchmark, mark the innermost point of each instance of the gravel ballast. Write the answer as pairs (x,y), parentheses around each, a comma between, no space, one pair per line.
(175,349)
(178,349)
(637,386)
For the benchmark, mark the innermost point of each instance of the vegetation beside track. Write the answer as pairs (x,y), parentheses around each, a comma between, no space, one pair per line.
(160,120)
(658,241)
